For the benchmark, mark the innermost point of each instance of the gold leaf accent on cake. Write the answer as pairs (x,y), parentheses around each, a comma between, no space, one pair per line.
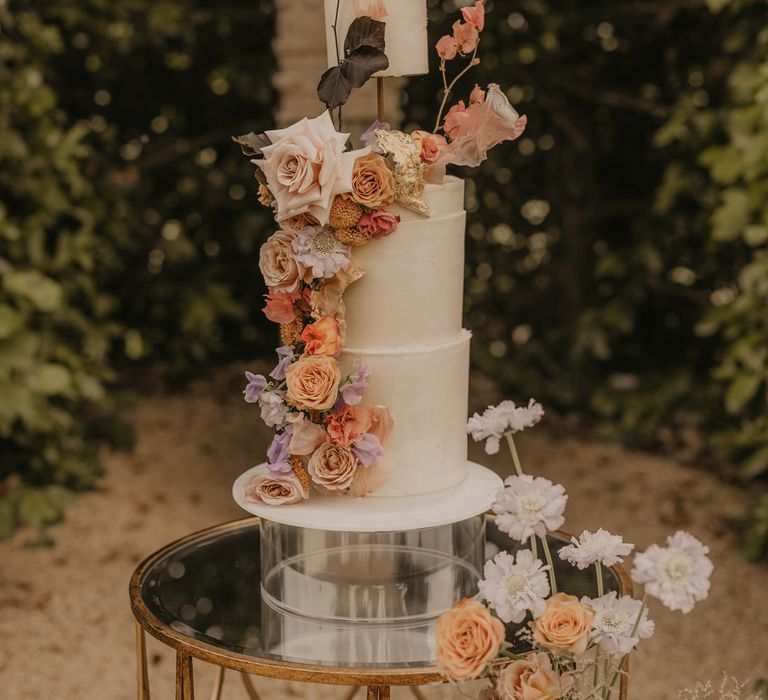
(290,333)
(301,473)
(405,155)
(344,213)
(351,236)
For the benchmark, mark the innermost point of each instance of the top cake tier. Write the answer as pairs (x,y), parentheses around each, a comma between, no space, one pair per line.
(413,289)
(405,34)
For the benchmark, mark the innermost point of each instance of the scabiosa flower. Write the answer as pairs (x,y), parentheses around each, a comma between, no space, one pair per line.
(678,575)
(317,248)
(273,409)
(592,547)
(615,620)
(352,391)
(278,456)
(285,356)
(529,506)
(497,420)
(514,586)
(368,449)
(256,385)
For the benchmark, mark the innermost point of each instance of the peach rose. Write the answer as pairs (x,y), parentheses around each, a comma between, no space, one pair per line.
(322,337)
(532,678)
(275,490)
(348,425)
(373,185)
(313,382)
(468,639)
(564,625)
(378,224)
(281,271)
(280,307)
(333,467)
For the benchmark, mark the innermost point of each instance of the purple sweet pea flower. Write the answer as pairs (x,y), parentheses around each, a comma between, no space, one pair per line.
(277,455)
(368,449)
(352,391)
(256,384)
(286,355)
(369,135)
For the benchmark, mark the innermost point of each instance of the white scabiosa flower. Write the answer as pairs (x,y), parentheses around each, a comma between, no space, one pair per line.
(497,420)
(678,575)
(529,506)
(615,620)
(592,547)
(514,586)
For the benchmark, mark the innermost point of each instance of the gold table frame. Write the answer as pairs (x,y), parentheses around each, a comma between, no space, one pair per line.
(377,681)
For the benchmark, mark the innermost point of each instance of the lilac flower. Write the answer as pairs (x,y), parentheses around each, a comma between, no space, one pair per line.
(369,135)
(504,418)
(274,412)
(279,459)
(615,620)
(368,449)
(529,506)
(317,248)
(286,357)
(592,547)
(352,391)
(512,586)
(256,384)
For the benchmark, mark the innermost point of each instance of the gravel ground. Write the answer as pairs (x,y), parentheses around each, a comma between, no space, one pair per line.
(66,631)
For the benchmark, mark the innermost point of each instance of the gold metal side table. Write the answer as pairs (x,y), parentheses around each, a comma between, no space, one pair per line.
(201,596)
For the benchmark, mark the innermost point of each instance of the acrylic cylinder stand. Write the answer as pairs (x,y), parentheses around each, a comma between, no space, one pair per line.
(361,582)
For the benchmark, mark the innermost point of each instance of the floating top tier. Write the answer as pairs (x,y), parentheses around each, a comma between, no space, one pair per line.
(406,34)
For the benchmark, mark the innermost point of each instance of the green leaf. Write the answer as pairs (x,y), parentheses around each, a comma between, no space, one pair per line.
(334,89)
(11,321)
(54,380)
(756,465)
(365,31)
(362,63)
(730,218)
(39,508)
(42,291)
(741,391)
(7,517)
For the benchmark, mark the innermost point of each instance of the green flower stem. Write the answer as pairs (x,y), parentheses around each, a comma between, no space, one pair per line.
(548,556)
(600,584)
(534,547)
(473,61)
(513,449)
(624,658)
(596,675)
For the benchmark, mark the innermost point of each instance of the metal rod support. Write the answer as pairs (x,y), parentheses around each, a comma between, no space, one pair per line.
(142,673)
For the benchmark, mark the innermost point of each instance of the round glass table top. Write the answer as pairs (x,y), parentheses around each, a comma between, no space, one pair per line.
(203,594)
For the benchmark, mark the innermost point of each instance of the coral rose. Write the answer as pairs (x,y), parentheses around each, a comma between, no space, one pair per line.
(322,337)
(280,307)
(333,467)
(564,626)
(275,490)
(447,48)
(313,382)
(378,224)
(281,271)
(348,425)
(468,639)
(373,184)
(532,678)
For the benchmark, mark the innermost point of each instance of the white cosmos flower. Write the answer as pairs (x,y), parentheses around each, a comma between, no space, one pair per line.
(615,620)
(529,506)
(591,547)
(678,575)
(497,420)
(514,586)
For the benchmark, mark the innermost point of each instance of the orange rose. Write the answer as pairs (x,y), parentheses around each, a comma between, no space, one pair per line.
(532,678)
(468,639)
(333,467)
(348,425)
(322,337)
(564,625)
(373,185)
(313,382)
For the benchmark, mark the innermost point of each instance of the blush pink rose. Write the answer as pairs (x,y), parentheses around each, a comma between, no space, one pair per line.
(275,490)
(333,467)
(378,224)
(532,678)
(564,626)
(277,263)
(454,119)
(375,9)
(468,639)
(322,337)
(312,382)
(475,15)
(466,37)
(447,48)
(348,425)
(280,307)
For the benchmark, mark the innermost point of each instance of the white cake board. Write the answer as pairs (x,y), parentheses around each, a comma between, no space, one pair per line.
(471,497)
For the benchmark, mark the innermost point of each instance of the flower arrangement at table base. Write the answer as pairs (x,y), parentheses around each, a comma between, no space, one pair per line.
(579,646)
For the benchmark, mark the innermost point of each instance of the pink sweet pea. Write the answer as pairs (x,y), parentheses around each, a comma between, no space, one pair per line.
(447,48)
(466,36)
(280,307)
(475,15)
(477,96)
(456,116)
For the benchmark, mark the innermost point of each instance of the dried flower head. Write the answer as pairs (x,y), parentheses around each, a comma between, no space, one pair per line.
(344,213)
(290,333)
(296,223)
(300,471)
(265,196)
(352,236)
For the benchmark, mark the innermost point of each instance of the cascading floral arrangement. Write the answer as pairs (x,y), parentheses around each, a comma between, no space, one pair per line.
(579,646)
(327,200)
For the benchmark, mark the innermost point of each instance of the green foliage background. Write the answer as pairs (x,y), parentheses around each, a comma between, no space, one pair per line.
(617,254)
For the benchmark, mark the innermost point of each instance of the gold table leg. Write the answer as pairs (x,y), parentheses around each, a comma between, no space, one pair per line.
(351,693)
(218,684)
(142,674)
(184,681)
(416,692)
(378,692)
(248,683)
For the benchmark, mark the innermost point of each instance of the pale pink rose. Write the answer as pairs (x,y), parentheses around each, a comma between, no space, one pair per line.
(564,626)
(475,15)
(313,382)
(468,639)
(333,467)
(306,438)
(275,490)
(306,166)
(348,425)
(280,307)
(454,119)
(532,678)
(375,9)
(281,271)
(477,96)
(466,36)
(322,337)
(447,48)
(378,224)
